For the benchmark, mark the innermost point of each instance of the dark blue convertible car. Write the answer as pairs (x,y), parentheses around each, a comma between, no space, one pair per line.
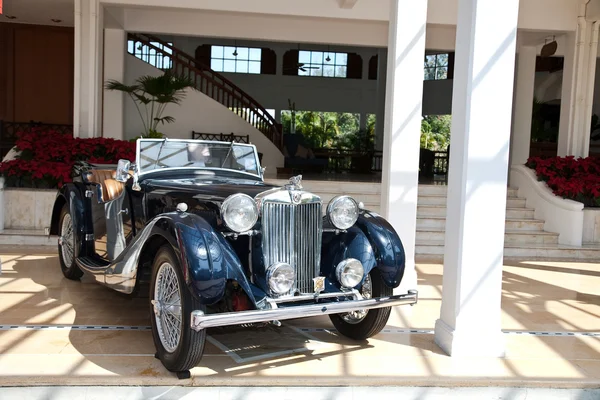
(218,246)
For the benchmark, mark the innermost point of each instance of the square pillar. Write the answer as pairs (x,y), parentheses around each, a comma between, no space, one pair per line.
(523,108)
(577,95)
(469,323)
(115,50)
(87,95)
(402,125)
(381,85)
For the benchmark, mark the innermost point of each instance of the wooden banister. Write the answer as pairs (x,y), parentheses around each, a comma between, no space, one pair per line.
(214,85)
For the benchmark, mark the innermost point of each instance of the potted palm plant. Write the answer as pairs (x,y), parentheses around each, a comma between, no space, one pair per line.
(151,95)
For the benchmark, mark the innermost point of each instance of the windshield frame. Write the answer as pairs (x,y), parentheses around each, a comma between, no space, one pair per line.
(259,174)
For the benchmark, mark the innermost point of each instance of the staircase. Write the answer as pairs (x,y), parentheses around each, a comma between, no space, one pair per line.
(524,237)
(208,82)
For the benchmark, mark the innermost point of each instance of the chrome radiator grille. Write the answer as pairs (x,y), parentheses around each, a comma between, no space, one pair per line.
(292,234)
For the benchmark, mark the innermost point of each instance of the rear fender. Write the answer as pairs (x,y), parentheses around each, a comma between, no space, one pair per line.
(71,194)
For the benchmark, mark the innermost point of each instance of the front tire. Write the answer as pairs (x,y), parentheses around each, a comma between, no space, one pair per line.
(362,324)
(178,346)
(66,245)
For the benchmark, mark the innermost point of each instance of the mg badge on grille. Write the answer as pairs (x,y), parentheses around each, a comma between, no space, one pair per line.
(296,197)
(319,284)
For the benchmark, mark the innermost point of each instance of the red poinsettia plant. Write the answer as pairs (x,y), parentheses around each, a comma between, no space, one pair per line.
(569,177)
(47,157)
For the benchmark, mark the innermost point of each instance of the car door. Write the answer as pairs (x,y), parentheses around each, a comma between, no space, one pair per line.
(111,214)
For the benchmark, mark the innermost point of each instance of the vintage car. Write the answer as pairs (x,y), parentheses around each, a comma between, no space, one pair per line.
(195,224)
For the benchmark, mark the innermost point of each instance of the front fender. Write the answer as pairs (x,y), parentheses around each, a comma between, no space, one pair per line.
(206,257)
(374,242)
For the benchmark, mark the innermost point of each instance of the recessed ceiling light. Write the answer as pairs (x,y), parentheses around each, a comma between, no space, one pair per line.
(56,20)
(10,17)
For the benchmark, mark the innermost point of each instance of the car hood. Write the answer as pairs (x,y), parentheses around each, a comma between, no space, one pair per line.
(213,188)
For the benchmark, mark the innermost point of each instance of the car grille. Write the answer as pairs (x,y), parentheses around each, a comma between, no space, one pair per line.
(292,234)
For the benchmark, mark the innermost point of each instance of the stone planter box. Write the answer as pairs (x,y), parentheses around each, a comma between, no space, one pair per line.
(591,225)
(26,209)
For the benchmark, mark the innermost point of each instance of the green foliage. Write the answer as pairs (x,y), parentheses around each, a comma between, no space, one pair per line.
(153,94)
(435,132)
(151,135)
(323,129)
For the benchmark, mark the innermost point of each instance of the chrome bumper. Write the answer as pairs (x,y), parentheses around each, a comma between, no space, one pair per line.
(201,321)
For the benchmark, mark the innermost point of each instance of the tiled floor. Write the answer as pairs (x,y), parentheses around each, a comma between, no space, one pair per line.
(70,333)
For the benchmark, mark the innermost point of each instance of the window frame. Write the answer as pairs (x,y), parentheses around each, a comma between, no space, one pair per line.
(437,66)
(244,56)
(322,63)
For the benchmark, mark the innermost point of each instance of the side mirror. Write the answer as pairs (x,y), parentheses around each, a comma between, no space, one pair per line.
(123,171)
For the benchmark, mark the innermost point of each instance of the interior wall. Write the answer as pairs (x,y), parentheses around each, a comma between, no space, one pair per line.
(197,112)
(36,73)
(548,86)
(317,93)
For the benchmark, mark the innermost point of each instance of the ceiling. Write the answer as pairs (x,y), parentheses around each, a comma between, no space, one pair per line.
(38,12)
(45,11)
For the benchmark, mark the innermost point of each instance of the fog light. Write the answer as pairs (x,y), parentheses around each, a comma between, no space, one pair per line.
(350,272)
(280,277)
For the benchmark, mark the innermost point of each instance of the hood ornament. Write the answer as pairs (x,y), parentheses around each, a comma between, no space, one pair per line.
(295,182)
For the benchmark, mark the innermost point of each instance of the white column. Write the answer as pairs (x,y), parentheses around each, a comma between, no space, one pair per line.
(381,97)
(402,126)
(523,108)
(469,323)
(578,88)
(115,42)
(88,68)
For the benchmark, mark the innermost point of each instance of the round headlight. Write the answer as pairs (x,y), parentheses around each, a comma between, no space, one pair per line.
(239,212)
(350,272)
(342,212)
(280,277)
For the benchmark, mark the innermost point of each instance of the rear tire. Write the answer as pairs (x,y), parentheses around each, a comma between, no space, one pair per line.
(66,245)
(359,326)
(178,346)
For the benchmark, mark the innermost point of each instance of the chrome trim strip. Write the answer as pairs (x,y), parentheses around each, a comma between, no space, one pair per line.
(307,297)
(200,321)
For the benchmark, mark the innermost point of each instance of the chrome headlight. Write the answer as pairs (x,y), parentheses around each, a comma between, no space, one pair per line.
(342,211)
(239,212)
(280,277)
(349,272)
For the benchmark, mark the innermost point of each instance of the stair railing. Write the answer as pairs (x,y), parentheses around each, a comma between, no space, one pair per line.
(212,84)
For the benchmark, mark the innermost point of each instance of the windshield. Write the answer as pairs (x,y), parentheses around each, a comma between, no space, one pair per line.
(158,154)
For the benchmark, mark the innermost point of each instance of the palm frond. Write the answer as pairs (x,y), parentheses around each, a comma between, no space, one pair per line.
(141,98)
(166,119)
(116,85)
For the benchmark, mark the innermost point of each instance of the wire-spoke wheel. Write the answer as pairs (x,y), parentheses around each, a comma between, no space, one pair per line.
(167,307)
(178,346)
(363,324)
(66,245)
(366,291)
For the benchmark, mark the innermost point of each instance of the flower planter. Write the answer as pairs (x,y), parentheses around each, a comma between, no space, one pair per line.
(591,225)
(27,209)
